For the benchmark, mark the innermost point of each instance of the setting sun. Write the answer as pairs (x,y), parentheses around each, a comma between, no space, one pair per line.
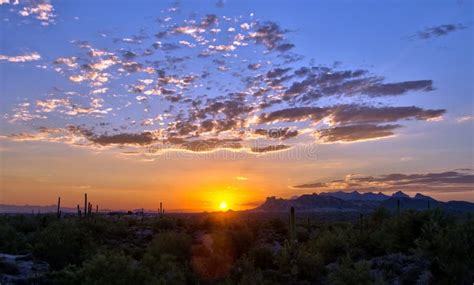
(223,205)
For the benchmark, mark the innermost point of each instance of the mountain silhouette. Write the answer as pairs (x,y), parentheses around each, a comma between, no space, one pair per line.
(356,201)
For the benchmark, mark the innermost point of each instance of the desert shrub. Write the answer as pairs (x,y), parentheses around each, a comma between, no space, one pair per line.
(262,256)
(109,268)
(164,269)
(60,244)
(346,272)
(330,244)
(170,243)
(12,241)
(310,266)
(450,249)
(69,275)
(380,215)
(241,239)
(302,234)
(164,224)
(245,273)
(279,227)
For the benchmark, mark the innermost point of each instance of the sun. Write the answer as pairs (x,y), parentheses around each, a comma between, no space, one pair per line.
(223,205)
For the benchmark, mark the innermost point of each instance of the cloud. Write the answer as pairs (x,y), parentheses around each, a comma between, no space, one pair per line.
(279,133)
(294,115)
(439,31)
(270,148)
(191,83)
(206,145)
(42,10)
(144,138)
(34,56)
(322,82)
(448,181)
(390,89)
(271,36)
(464,119)
(356,133)
(351,114)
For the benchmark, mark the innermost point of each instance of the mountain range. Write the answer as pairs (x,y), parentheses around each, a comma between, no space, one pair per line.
(356,201)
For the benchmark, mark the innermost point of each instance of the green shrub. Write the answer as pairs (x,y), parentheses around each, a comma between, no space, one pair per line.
(109,268)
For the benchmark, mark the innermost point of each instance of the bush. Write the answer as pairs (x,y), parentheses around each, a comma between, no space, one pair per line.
(349,273)
(60,244)
(262,256)
(109,268)
(170,243)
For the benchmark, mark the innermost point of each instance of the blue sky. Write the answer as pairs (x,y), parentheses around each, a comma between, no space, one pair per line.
(382,87)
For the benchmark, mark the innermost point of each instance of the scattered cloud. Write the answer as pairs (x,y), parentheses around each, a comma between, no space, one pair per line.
(190,83)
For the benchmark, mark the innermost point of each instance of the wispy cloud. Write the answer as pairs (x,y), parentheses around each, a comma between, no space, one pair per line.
(439,31)
(21,58)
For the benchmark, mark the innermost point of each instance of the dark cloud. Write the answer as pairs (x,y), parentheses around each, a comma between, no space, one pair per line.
(294,114)
(209,20)
(277,133)
(270,35)
(443,181)
(141,139)
(350,114)
(356,133)
(208,144)
(321,82)
(254,66)
(144,138)
(285,47)
(270,148)
(438,31)
(390,89)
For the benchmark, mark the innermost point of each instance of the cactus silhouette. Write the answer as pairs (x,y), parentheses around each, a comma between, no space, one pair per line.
(58,211)
(292,225)
(85,205)
(398,207)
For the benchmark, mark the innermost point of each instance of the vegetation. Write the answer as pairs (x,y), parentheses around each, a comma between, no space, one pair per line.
(428,247)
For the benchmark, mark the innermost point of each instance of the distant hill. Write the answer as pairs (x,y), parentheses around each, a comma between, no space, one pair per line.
(356,196)
(307,202)
(28,209)
(356,201)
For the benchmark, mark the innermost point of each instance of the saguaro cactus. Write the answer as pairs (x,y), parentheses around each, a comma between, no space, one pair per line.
(292,225)
(79,210)
(96,209)
(58,211)
(398,207)
(85,205)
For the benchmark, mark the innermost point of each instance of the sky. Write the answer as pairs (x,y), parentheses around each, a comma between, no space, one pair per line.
(192,103)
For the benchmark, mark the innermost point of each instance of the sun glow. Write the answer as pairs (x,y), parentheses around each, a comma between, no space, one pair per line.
(223,205)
